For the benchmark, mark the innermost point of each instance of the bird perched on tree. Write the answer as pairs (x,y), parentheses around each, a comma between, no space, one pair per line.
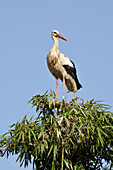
(62,67)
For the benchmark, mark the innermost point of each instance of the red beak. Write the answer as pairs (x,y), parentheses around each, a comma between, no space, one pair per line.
(58,35)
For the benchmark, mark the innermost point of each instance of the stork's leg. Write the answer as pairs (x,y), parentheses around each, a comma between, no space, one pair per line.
(63,85)
(57,88)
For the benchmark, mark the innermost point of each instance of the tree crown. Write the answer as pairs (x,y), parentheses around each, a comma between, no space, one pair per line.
(62,135)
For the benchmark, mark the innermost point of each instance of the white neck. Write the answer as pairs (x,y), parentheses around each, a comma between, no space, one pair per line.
(55,46)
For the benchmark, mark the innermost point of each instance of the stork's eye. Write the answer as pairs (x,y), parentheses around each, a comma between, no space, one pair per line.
(55,32)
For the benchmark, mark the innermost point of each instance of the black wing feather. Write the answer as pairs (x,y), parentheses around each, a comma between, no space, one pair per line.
(73,73)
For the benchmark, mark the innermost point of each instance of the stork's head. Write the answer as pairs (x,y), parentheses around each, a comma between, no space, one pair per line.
(55,33)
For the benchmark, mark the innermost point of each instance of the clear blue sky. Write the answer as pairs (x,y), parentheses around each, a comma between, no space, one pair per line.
(25,40)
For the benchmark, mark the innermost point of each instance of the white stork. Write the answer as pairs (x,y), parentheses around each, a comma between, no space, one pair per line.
(62,67)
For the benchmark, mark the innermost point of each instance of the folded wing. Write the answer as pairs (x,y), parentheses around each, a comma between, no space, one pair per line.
(70,69)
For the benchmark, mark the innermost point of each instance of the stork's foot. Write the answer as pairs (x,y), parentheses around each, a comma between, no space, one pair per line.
(55,98)
(63,98)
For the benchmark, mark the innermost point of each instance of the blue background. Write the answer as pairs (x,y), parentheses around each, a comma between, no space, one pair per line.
(25,40)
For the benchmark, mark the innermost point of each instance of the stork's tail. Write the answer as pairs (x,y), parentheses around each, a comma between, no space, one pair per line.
(78,85)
